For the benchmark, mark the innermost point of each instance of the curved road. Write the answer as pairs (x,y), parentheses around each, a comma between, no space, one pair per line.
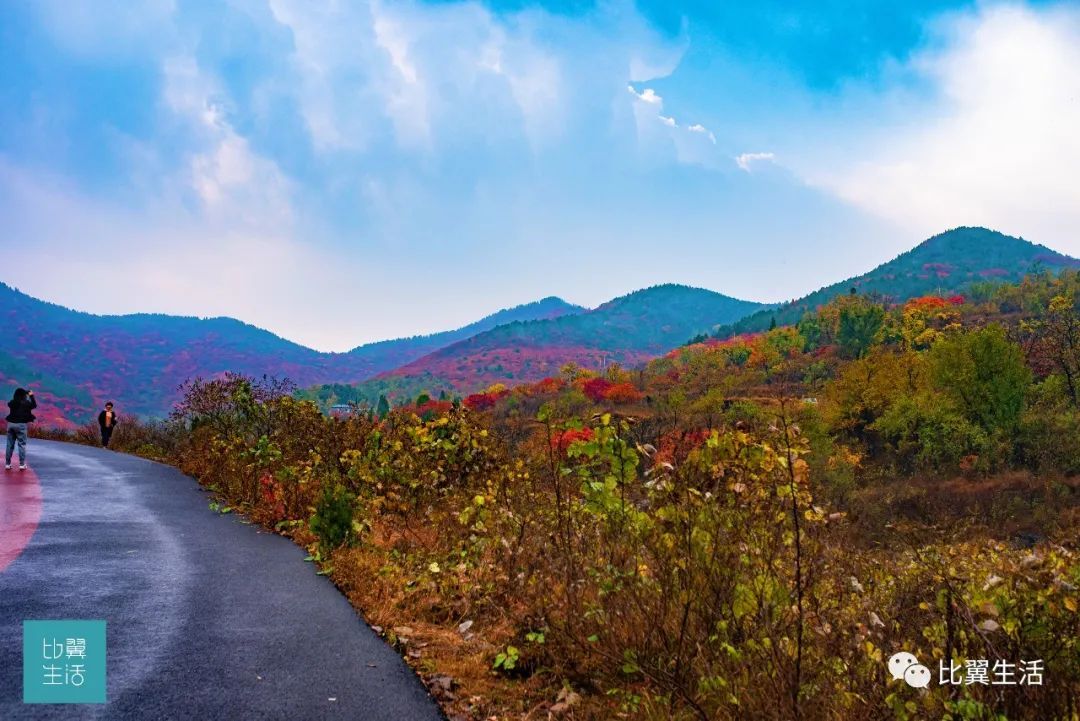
(208,617)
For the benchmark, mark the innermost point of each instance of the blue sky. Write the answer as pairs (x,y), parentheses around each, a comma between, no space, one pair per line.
(347,171)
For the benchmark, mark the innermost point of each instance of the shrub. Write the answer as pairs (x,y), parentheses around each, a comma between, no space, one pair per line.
(596,389)
(332,521)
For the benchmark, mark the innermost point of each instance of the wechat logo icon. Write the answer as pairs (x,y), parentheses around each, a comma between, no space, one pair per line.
(904,665)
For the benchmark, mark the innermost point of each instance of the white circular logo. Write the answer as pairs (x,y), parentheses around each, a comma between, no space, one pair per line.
(899,663)
(917,676)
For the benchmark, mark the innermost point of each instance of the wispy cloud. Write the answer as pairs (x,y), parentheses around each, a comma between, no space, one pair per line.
(647,95)
(685,140)
(746,161)
(699,128)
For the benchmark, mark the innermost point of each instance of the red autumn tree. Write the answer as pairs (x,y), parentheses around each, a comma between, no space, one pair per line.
(596,389)
(622,393)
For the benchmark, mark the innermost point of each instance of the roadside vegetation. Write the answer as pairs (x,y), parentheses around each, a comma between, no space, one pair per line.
(744,528)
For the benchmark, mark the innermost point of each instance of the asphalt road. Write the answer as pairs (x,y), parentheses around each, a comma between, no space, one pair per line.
(208,618)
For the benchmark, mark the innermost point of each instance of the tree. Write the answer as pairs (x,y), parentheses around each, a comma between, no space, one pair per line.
(383,409)
(867,389)
(984,373)
(595,388)
(1062,339)
(810,328)
(857,326)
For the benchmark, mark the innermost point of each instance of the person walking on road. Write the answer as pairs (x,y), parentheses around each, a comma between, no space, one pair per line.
(18,418)
(107,420)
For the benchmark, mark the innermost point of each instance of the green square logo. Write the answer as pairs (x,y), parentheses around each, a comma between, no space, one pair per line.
(63,662)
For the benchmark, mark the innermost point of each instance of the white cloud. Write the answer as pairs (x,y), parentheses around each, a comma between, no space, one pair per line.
(699,128)
(746,161)
(334,62)
(424,70)
(409,125)
(661,136)
(995,144)
(647,95)
(231,180)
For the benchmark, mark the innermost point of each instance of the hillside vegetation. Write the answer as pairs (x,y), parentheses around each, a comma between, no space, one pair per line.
(945,264)
(742,529)
(629,330)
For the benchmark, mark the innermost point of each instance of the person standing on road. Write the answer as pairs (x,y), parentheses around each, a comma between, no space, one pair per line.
(107,420)
(19,416)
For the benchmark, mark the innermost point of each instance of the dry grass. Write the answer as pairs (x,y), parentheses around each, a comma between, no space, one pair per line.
(454,664)
(1019,507)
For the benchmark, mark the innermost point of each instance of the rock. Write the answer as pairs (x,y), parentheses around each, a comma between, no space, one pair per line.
(855,585)
(989,625)
(441,687)
(464,627)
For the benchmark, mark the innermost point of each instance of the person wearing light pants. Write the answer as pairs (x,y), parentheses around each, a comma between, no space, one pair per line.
(18,420)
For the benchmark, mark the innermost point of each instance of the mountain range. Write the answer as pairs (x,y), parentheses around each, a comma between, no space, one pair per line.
(77,360)
(627,330)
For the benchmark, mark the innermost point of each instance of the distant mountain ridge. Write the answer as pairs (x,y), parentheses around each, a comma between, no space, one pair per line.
(420,345)
(140,360)
(78,360)
(627,330)
(947,263)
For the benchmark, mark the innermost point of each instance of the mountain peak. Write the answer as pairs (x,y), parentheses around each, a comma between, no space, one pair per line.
(948,262)
(998,254)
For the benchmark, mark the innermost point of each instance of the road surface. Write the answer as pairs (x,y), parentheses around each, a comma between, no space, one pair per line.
(208,617)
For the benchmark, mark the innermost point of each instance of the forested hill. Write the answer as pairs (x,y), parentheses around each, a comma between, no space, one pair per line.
(627,330)
(408,349)
(78,360)
(947,263)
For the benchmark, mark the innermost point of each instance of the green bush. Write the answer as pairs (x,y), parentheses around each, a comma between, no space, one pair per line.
(925,433)
(333,518)
(1050,429)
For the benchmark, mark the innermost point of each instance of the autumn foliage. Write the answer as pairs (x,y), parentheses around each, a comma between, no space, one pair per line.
(738,530)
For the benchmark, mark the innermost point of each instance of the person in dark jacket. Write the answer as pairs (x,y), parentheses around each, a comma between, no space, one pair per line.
(20,407)
(107,420)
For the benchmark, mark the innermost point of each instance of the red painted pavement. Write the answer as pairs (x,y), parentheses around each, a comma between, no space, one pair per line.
(20,511)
